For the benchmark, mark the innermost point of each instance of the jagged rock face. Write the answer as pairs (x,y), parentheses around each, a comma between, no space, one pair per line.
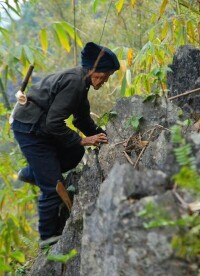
(160,116)
(185,76)
(115,241)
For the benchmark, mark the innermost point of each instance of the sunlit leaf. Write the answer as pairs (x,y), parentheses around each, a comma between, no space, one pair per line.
(62,36)
(6,34)
(19,256)
(130,57)
(199,32)
(151,34)
(123,86)
(23,56)
(119,5)
(4,267)
(44,40)
(70,30)
(163,7)
(95,5)
(133,2)
(29,54)
(164,31)
(190,31)
(63,258)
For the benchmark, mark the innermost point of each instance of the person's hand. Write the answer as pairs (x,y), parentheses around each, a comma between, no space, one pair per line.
(95,140)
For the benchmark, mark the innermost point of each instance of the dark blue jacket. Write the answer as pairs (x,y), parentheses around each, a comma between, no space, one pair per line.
(52,100)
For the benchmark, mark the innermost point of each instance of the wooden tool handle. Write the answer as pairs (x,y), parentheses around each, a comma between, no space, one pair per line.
(60,188)
(27,77)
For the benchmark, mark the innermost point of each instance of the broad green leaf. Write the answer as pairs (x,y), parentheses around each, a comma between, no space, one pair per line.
(151,34)
(190,31)
(135,122)
(113,113)
(62,36)
(181,36)
(19,256)
(95,5)
(70,30)
(120,53)
(103,120)
(123,86)
(28,54)
(4,267)
(23,58)
(164,31)
(163,7)
(63,258)
(150,98)
(119,5)
(6,34)
(44,40)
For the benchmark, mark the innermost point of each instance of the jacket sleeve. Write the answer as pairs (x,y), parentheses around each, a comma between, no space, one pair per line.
(84,122)
(60,109)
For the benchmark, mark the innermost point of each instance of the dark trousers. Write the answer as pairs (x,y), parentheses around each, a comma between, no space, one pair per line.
(47,160)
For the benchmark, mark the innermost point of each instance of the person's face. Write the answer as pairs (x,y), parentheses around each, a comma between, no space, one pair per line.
(98,78)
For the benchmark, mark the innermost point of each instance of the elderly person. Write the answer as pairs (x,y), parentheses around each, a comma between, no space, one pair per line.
(49,145)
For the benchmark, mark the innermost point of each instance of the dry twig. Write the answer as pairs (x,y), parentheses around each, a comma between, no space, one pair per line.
(184,94)
(142,151)
(128,158)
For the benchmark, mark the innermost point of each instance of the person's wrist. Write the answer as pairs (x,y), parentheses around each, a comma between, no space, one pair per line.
(82,142)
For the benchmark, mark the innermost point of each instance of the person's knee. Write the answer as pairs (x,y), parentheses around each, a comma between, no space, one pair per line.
(82,151)
(72,158)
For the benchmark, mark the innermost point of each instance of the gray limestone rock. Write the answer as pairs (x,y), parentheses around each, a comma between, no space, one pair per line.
(164,114)
(115,241)
(185,76)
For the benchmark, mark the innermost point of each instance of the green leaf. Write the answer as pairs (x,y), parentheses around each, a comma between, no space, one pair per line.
(113,113)
(163,7)
(103,120)
(44,40)
(70,30)
(62,36)
(190,31)
(164,31)
(123,86)
(95,5)
(28,54)
(150,98)
(4,267)
(134,121)
(19,256)
(63,258)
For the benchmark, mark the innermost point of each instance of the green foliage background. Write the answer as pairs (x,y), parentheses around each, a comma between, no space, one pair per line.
(50,34)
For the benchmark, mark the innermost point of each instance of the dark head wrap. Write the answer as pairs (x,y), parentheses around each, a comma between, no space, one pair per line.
(99,58)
